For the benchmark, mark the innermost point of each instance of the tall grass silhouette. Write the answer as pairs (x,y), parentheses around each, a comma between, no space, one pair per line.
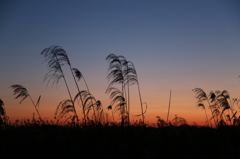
(21,92)
(220,105)
(90,103)
(3,114)
(202,96)
(56,58)
(124,73)
(110,108)
(66,137)
(80,76)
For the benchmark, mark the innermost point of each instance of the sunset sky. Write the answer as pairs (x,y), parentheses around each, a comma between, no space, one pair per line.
(177,45)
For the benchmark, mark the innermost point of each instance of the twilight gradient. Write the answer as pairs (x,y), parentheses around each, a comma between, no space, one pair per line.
(177,45)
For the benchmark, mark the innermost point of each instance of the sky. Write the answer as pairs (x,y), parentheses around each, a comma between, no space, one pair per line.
(177,45)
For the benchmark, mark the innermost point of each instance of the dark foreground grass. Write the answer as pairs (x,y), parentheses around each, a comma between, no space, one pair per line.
(115,142)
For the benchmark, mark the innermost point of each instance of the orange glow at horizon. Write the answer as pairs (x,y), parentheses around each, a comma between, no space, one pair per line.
(47,108)
(183,102)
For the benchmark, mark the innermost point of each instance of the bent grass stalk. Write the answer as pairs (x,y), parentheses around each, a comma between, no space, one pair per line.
(22,92)
(169,105)
(57,57)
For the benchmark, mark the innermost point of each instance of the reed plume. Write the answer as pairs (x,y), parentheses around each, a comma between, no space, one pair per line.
(21,92)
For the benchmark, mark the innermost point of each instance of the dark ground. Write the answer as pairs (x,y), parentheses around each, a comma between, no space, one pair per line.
(114,142)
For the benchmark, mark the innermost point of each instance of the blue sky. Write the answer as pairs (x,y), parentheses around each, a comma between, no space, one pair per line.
(176,45)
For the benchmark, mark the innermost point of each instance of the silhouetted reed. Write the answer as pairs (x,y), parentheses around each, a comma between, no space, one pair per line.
(57,58)
(124,73)
(80,76)
(72,136)
(3,114)
(21,92)
(90,104)
(110,108)
(221,107)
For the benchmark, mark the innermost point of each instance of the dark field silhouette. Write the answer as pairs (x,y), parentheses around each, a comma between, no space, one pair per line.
(32,140)
(92,134)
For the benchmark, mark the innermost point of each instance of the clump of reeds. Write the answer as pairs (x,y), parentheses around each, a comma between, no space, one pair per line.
(222,108)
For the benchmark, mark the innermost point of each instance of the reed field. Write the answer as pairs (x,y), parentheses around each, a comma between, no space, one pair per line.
(92,133)
(34,140)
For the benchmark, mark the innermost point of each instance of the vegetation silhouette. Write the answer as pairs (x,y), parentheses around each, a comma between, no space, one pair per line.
(110,108)
(95,136)
(221,107)
(22,92)
(169,104)
(3,115)
(108,141)
(57,57)
(79,76)
(124,73)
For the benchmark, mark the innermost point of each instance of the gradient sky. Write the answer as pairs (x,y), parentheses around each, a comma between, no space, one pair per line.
(178,45)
